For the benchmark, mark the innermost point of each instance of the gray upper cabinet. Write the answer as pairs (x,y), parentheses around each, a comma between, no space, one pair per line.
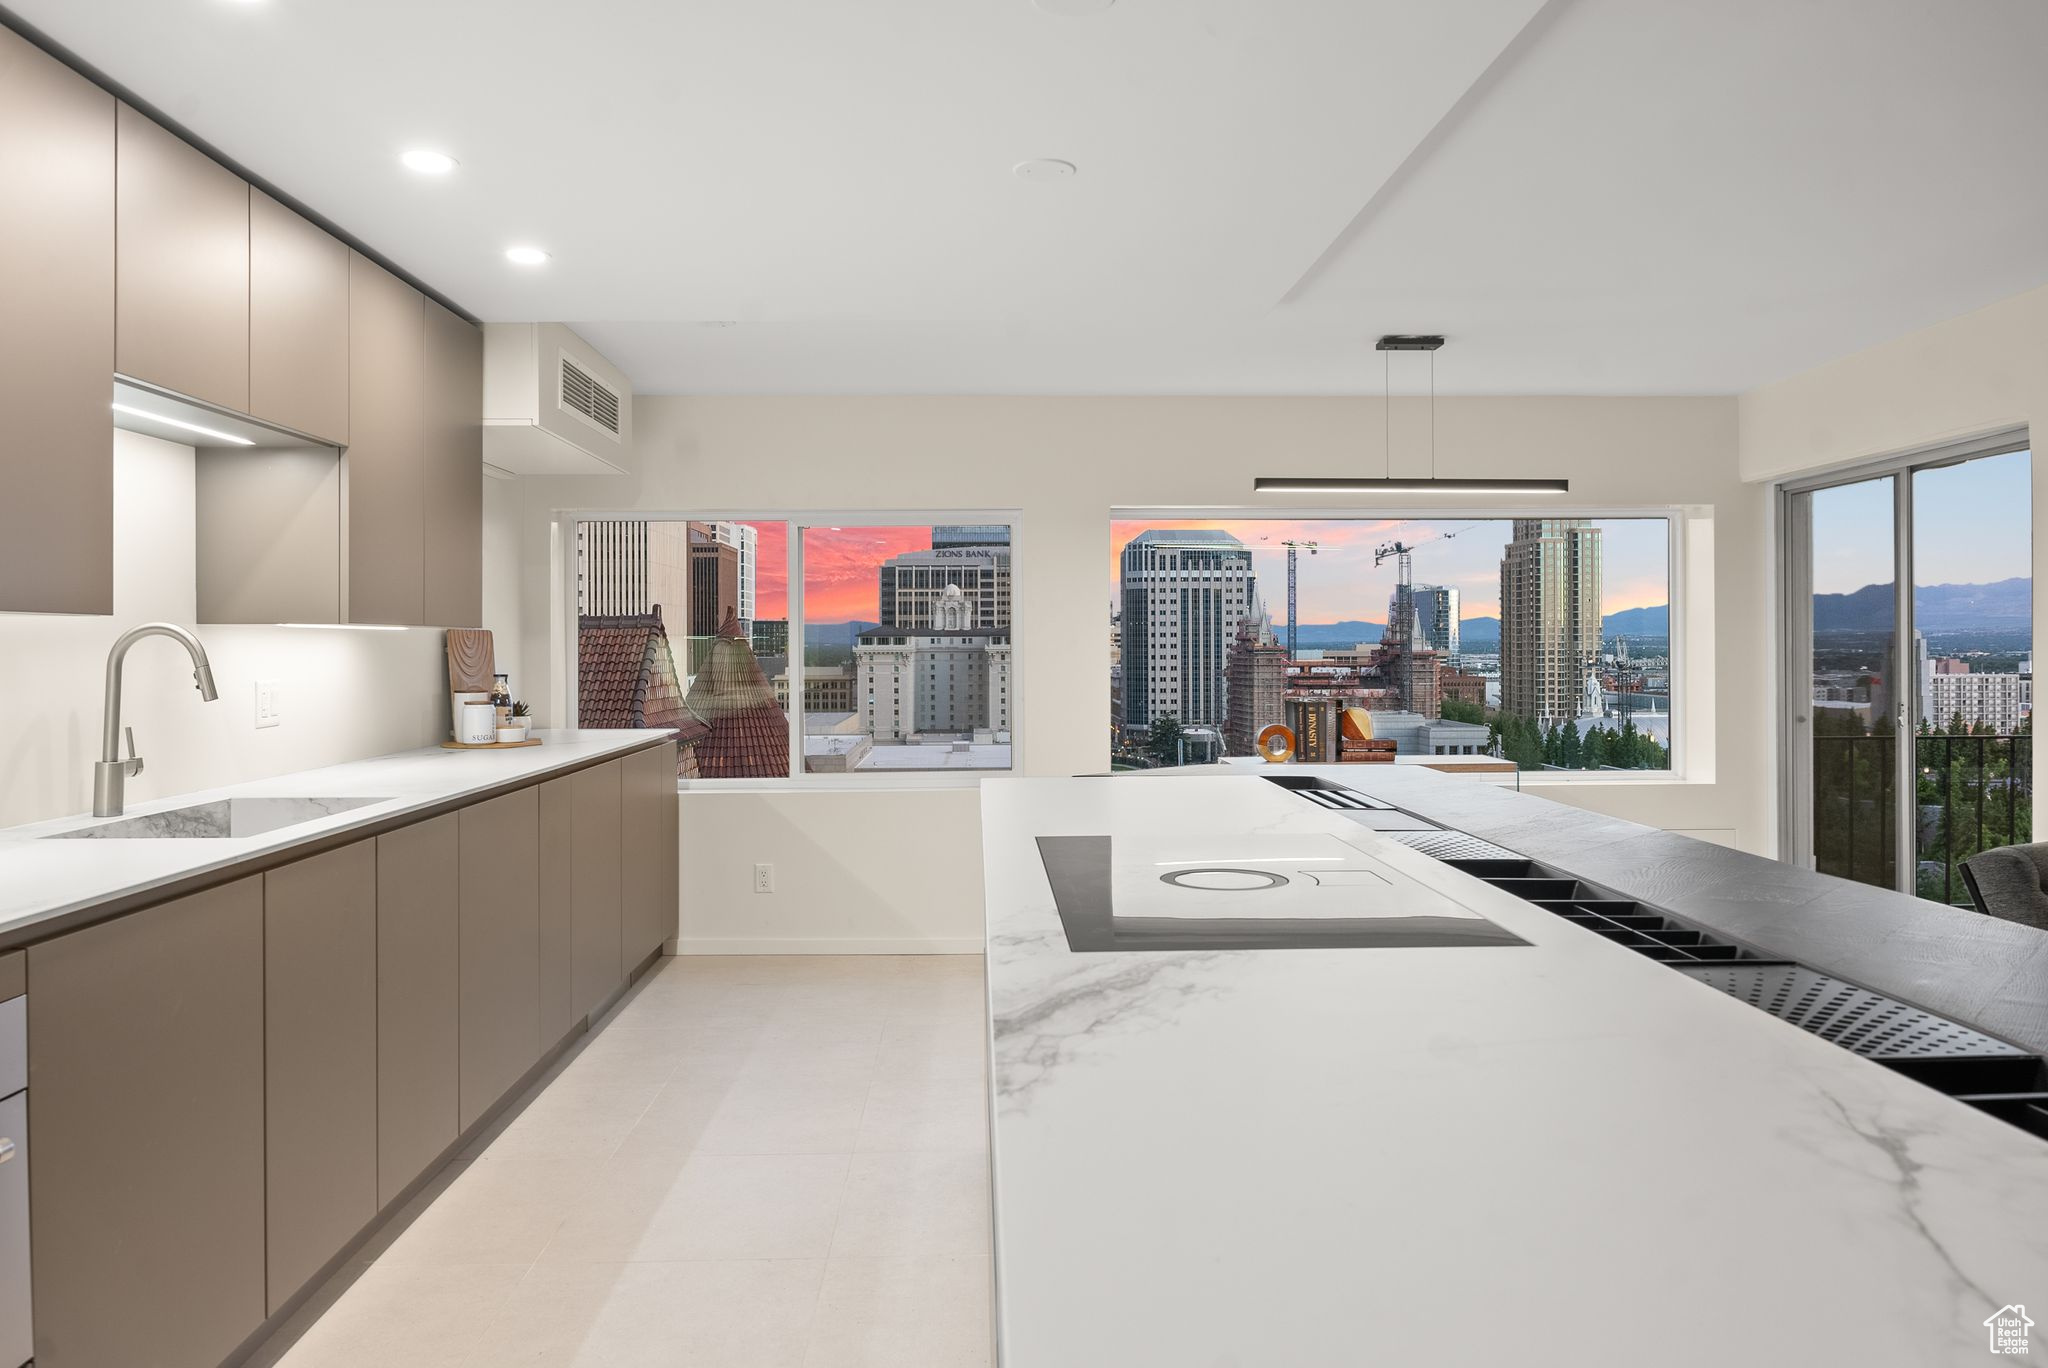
(298,323)
(385,485)
(499,890)
(57,350)
(320,1060)
(454,475)
(146,1071)
(181,311)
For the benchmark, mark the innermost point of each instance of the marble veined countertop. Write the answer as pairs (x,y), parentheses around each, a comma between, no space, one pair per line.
(1558,1153)
(45,884)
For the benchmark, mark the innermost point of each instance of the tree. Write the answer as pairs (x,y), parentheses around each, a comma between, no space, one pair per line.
(1163,741)
(1458,710)
(1572,751)
(1553,746)
(1595,748)
(1523,743)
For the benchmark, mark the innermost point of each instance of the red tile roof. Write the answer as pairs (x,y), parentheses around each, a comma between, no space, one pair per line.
(626,677)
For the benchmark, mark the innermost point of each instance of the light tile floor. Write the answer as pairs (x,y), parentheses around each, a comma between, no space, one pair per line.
(773,1162)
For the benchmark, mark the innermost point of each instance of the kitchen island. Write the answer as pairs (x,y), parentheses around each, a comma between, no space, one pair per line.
(1549,1152)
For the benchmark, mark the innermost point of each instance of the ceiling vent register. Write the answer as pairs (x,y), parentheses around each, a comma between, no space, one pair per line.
(584,394)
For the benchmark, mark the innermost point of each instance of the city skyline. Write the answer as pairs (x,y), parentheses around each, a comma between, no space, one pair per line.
(1340,583)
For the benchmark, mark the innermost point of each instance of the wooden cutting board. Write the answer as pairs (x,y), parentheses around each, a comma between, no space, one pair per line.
(472,660)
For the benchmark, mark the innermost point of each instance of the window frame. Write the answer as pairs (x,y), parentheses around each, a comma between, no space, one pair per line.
(797,521)
(1675,518)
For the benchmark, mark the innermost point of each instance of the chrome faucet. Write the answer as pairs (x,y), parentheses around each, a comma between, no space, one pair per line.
(110,775)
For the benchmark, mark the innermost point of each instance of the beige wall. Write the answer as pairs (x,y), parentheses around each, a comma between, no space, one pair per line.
(1983,373)
(1062,464)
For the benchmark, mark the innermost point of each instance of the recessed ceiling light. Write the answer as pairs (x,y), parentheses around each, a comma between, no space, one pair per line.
(1075,7)
(526,256)
(428,162)
(1044,169)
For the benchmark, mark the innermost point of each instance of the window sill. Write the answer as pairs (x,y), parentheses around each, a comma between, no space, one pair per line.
(845,783)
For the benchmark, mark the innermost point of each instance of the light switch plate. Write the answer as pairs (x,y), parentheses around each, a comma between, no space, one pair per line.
(267,714)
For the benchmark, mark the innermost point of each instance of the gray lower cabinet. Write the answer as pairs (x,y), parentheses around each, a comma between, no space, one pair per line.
(499,896)
(146,1067)
(598,951)
(230,1086)
(647,851)
(320,1060)
(418,950)
(557,928)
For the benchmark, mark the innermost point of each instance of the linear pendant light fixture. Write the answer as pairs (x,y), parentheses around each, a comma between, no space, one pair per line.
(1388,483)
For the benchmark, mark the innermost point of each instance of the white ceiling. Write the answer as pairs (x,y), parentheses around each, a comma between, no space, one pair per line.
(782,196)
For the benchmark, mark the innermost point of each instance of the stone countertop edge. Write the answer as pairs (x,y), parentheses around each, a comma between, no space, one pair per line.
(51,887)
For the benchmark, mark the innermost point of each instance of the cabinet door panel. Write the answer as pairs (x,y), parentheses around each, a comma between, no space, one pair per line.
(557,935)
(499,892)
(181,308)
(647,858)
(320,1059)
(146,1069)
(454,475)
(417,978)
(594,866)
(56,269)
(298,323)
(384,481)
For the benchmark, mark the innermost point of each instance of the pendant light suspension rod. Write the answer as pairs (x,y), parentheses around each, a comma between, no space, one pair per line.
(1387,484)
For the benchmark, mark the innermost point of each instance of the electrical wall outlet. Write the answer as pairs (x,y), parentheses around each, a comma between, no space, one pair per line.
(267,713)
(764,878)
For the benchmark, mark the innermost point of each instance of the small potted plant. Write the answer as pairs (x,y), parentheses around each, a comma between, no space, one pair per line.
(522,718)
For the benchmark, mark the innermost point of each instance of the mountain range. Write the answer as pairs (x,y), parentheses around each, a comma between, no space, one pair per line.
(2006,605)
(1478,633)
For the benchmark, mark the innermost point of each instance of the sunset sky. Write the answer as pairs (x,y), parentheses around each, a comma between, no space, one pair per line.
(842,580)
(1340,582)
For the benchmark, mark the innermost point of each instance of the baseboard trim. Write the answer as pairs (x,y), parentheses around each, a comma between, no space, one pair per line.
(800,945)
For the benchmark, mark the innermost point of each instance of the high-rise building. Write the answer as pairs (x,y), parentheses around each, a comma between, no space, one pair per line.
(973,559)
(949,678)
(1436,619)
(1549,617)
(744,539)
(770,636)
(714,580)
(1999,701)
(1185,594)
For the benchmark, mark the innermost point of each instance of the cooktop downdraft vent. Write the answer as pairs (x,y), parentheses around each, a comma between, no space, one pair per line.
(1853,1018)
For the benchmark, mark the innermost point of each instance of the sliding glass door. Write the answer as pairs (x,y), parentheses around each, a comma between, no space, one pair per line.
(1909,668)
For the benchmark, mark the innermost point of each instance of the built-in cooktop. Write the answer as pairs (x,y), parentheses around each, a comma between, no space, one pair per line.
(1264,892)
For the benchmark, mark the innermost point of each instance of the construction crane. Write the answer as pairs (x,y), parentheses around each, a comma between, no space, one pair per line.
(1294,547)
(1403,624)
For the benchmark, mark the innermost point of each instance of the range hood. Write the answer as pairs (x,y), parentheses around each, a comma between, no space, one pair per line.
(552,404)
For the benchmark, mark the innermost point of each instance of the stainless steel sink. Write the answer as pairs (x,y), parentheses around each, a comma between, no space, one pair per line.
(220,819)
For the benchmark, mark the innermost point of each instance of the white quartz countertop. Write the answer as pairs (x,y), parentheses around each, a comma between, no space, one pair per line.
(1558,1153)
(43,880)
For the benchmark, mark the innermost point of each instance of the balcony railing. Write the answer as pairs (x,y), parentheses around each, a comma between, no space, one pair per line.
(1973,793)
